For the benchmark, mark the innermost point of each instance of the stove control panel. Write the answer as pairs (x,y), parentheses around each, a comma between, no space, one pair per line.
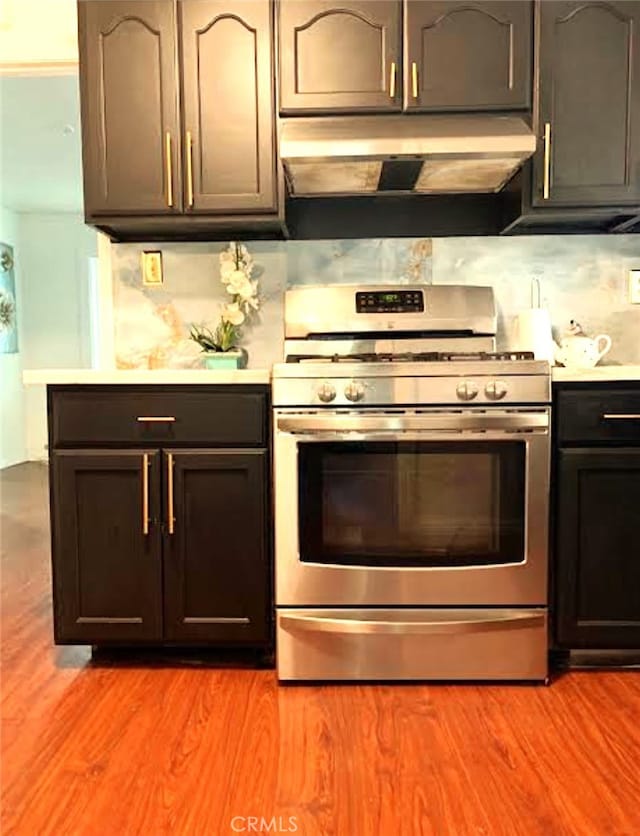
(326,392)
(495,390)
(467,390)
(389,301)
(354,391)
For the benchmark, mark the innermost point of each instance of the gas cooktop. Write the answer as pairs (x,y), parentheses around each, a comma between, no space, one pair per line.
(341,353)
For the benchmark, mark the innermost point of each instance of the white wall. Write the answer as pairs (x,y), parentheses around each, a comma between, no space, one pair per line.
(37,32)
(12,428)
(55,251)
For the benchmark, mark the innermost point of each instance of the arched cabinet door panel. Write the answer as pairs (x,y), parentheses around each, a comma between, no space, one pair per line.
(228,102)
(340,56)
(129,86)
(468,55)
(589,124)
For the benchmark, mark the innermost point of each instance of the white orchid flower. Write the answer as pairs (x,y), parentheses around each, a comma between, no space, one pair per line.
(226,269)
(237,278)
(246,290)
(239,285)
(236,268)
(250,296)
(233,314)
(242,291)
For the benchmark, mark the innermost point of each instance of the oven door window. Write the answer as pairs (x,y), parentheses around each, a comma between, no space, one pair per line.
(412,503)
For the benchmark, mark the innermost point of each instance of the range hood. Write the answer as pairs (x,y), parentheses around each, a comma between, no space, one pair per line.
(394,154)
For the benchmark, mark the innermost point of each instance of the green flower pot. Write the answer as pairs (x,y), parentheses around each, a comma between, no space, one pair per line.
(234,359)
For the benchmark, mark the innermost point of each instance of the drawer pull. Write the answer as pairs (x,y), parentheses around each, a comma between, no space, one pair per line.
(156,419)
(145,494)
(621,416)
(171,520)
(365,626)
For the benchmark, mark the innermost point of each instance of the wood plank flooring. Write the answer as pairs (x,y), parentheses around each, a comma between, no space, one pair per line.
(101,749)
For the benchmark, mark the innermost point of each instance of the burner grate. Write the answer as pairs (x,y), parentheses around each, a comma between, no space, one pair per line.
(413,357)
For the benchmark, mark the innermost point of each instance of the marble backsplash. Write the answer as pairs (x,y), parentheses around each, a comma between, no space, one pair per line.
(581,277)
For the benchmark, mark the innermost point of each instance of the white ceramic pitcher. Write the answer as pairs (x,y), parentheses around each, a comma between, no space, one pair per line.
(582,352)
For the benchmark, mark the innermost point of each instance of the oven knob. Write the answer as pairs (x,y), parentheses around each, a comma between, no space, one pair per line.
(495,390)
(326,392)
(354,391)
(467,390)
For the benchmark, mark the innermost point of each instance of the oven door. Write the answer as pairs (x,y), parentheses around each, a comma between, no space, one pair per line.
(403,508)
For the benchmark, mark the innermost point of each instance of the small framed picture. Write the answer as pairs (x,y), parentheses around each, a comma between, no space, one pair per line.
(8,313)
(151,268)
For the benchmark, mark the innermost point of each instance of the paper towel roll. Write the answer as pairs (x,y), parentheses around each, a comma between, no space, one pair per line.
(532,332)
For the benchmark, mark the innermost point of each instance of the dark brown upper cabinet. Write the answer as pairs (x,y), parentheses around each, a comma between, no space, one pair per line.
(467,56)
(177,108)
(129,100)
(453,56)
(589,107)
(340,56)
(227,87)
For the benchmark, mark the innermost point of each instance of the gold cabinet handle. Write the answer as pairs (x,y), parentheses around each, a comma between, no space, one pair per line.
(621,416)
(169,171)
(145,494)
(546,184)
(156,419)
(171,520)
(189,169)
(392,80)
(414,79)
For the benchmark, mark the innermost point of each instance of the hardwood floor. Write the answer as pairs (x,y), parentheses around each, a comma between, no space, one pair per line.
(102,749)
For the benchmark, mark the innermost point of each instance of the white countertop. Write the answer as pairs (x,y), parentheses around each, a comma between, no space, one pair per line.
(33,377)
(599,373)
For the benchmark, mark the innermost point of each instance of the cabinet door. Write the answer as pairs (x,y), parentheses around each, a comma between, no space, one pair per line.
(340,56)
(589,104)
(129,96)
(597,550)
(217,584)
(106,546)
(466,56)
(228,100)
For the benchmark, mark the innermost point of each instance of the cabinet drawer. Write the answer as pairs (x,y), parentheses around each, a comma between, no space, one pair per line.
(400,644)
(599,415)
(109,415)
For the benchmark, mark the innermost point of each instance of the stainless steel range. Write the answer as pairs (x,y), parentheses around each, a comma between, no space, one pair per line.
(411,489)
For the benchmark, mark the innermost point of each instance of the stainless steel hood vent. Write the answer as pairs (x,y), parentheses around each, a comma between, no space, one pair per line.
(391,154)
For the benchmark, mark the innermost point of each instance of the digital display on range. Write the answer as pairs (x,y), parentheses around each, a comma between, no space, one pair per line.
(384,301)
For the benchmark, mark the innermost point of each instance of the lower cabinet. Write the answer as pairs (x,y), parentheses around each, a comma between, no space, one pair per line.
(161,543)
(598,568)
(596,554)
(107,561)
(216,552)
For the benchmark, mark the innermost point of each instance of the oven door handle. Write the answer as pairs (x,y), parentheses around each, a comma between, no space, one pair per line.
(509,421)
(326,624)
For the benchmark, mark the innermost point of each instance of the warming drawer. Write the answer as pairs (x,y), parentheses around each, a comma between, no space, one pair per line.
(399,644)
